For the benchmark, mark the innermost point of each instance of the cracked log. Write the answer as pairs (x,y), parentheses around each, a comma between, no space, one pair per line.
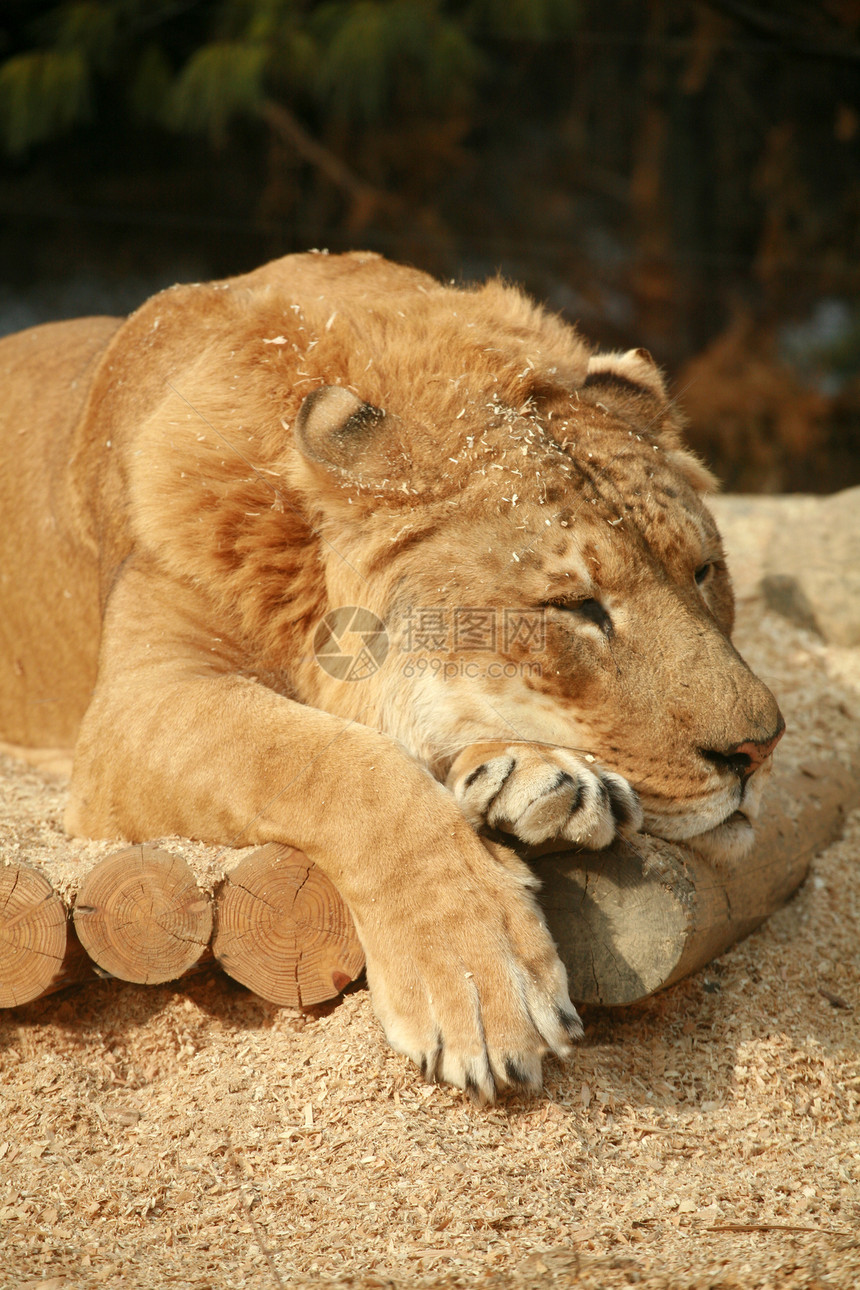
(283,930)
(145,914)
(641,915)
(141,917)
(33,935)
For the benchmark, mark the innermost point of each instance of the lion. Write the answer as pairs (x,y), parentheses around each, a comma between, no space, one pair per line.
(336,555)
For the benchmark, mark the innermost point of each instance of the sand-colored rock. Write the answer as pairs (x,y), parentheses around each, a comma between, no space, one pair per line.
(802,555)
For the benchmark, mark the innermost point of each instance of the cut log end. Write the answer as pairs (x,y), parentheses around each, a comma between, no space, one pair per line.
(283,930)
(33,935)
(141,917)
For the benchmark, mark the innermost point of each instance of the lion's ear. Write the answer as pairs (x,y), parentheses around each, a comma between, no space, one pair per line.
(630,373)
(694,471)
(335,428)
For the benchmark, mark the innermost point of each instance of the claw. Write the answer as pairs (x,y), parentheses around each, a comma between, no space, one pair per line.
(570,1023)
(625,803)
(477,1095)
(431,1065)
(514,1073)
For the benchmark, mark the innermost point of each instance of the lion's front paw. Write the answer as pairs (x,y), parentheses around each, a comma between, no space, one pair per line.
(469,985)
(539,794)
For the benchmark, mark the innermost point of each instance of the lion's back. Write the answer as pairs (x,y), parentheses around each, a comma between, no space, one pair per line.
(49,624)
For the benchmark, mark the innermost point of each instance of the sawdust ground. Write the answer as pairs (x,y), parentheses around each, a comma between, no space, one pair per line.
(197,1136)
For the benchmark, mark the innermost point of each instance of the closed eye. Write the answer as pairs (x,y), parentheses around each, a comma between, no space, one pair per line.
(590,611)
(701,574)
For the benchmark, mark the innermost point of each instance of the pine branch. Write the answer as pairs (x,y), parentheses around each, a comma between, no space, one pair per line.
(366,199)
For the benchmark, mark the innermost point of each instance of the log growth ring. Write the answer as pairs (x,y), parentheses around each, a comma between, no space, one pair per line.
(141,917)
(283,930)
(33,932)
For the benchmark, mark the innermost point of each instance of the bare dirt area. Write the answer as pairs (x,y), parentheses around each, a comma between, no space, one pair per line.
(194,1135)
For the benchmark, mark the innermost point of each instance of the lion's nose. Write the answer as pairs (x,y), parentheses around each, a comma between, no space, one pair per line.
(745,758)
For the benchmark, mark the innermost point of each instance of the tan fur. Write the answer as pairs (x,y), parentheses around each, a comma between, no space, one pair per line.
(179,517)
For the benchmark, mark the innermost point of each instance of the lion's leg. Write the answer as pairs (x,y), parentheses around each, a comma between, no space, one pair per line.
(463,973)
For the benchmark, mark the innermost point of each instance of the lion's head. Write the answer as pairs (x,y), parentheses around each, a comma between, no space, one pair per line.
(525,521)
(522,517)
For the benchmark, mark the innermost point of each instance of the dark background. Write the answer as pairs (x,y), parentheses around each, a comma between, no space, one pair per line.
(679,174)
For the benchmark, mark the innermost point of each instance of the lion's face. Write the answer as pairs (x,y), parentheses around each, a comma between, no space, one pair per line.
(600,647)
(604,643)
(576,597)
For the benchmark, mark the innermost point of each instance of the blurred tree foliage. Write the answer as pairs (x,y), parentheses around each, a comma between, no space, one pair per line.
(373,97)
(194,66)
(683,174)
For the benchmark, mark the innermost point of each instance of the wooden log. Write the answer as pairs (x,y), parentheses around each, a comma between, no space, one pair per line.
(141,916)
(628,921)
(641,915)
(33,934)
(283,930)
